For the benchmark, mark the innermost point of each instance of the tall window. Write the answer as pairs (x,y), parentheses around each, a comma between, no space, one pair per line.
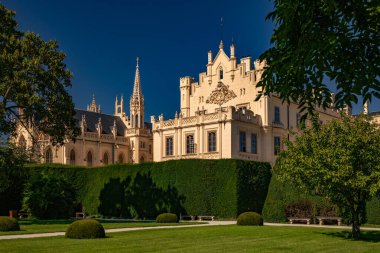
(89,159)
(220,73)
(190,144)
(277,145)
(297,119)
(211,142)
(22,142)
(105,158)
(242,142)
(121,158)
(277,114)
(49,156)
(72,157)
(254,143)
(169,146)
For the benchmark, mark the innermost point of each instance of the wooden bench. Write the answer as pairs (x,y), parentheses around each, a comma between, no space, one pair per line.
(187,217)
(206,217)
(292,219)
(322,219)
(80,215)
(22,215)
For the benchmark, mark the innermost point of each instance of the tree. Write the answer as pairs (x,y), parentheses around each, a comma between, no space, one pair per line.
(33,83)
(317,43)
(12,178)
(339,161)
(49,195)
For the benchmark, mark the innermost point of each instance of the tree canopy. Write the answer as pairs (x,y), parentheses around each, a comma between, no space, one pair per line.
(322,43)
(33,83)
(339,161)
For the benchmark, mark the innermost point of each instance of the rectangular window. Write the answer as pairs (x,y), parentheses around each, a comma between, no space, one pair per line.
(277,118)
(243,146)
(169,146)
(254,143)
(211,142)
(277,145)
(189,144)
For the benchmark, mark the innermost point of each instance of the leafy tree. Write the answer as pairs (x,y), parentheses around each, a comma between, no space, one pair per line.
(339,161)
(33,83)
(49,195)
(322,42)
(12,178)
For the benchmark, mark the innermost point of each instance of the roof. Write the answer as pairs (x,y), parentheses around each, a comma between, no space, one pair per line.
(92,119)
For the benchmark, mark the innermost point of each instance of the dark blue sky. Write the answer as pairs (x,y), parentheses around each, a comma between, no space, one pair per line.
(103,38)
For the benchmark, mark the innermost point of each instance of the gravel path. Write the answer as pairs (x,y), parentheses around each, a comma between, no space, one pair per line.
(210,223)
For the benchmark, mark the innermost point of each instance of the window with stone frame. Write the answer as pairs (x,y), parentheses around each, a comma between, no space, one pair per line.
(169,146)
(190,144)
(212,142)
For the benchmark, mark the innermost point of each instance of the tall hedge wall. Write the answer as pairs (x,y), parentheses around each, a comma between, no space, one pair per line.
(281,194)
(224,188)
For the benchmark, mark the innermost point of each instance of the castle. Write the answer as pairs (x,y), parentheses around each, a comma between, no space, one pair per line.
(219,118)
(104,139)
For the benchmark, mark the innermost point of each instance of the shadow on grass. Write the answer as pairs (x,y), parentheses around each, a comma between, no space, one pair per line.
(365,236)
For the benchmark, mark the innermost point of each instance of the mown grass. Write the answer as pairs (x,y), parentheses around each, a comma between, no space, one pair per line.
(47,226)
(207,239)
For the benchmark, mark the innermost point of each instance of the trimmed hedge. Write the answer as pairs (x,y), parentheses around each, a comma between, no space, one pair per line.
(222,188)
(250,219)
(8,224)
(167,218)
(282,195)
(85,229)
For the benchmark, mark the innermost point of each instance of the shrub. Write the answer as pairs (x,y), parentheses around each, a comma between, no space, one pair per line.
(85,229)
(250,219)
(167,218)
(300,209)
(8,224)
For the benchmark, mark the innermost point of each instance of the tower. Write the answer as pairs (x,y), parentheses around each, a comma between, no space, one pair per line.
(119,107)
(93,107)
(137,102)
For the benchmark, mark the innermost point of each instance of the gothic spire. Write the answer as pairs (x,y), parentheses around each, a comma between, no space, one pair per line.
(137,86)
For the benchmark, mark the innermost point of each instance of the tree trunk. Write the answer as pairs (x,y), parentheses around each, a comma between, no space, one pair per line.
(355,224)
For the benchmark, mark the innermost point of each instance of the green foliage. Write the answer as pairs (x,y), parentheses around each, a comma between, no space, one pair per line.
(250,219)
(49,195)
(12,178)
(300,209)
(338,161)
(222,188)
(319,42)
(167,218)
(33,78)
(85,229)
(8,224)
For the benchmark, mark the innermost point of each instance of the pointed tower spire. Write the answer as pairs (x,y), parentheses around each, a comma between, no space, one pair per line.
(93,107)
(137,101)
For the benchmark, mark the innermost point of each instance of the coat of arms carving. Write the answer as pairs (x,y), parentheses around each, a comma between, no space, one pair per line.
(220,95)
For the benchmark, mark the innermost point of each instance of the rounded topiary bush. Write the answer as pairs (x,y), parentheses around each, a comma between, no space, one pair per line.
(85,229)
(250,219)
(8,224)
(167,218)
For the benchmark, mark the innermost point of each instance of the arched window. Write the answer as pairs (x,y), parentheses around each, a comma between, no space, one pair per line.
(72,157)
(211,142)
(142,159)
(48,156)
(105,158)
(121,158)
(22,142)
(221,73)
(89,159)
(190,144)
(136,121)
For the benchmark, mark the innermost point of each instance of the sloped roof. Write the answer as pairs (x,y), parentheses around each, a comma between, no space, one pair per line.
(92,119)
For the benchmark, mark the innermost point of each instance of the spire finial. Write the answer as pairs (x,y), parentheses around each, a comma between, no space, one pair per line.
(137,62)
(221,44)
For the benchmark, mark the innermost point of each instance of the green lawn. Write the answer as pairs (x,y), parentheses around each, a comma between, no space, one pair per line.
(46,226)
(206,239)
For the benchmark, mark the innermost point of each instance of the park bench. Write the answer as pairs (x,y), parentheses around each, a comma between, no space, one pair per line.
(292,219)
(22,215)
(188,217)
(206,217)
(80,215)
(322,219)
